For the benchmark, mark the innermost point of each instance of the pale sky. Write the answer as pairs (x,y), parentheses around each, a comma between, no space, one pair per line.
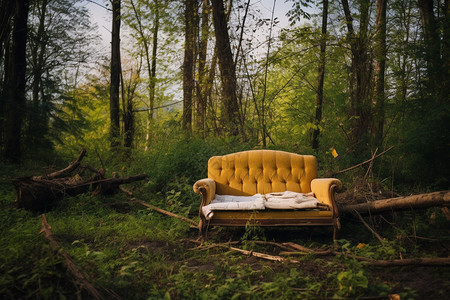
(102,16)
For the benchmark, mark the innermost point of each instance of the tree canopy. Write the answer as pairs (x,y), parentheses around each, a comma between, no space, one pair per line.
(353,77)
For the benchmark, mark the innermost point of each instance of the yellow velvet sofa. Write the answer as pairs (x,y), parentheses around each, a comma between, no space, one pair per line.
(267,171)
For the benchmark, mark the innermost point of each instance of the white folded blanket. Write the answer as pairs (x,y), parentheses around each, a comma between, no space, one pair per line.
(282,200)
(230,202)
(291,200)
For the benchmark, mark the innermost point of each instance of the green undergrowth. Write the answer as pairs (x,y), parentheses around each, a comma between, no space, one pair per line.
(128,251)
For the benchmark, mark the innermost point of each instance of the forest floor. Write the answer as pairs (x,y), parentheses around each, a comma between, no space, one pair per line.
(127,251)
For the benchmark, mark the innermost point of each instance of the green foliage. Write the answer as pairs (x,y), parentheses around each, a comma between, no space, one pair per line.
(253,231)
(425,139)
(351,282)
(138,253)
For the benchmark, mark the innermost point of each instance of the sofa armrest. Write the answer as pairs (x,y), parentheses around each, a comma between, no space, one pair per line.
(324,189)
(207,188)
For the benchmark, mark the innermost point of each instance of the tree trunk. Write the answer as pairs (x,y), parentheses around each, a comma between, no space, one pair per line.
(401,203)
(433,51)
(127,107)
(202,99)
(188,65)
(231,116)
(15,100)
(151,64)
(6,14)
(153,61)
(446,44)
(115,74)
(360,78)
(380,66)
(38,116)
(320,76)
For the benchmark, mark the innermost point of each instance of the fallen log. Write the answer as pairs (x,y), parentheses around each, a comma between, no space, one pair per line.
(67,170)
(441,198)
(40,193)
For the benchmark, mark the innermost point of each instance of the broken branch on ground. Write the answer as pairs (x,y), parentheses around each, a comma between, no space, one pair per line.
(40,193)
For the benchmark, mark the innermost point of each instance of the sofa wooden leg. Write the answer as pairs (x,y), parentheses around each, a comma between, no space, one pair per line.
(203,228)
(336,228)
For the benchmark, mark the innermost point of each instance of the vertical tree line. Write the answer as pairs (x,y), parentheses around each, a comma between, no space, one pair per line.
(320,76)
(115,74)
(191,27)
(37,49)
(13,92)
(202,65)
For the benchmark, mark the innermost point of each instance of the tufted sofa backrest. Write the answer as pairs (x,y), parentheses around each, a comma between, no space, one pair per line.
(262,171)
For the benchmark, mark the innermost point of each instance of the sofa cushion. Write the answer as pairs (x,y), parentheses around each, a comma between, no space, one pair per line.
(262,171)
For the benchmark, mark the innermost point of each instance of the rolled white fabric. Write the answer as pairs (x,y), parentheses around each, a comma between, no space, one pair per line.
(231,202)
(291,200)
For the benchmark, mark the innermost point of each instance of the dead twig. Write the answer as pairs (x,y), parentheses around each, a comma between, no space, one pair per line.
(370,167)
(245,252)
(165,212)
(129,193)
(68,262)
(370,228)
(298,247)
(264,256)
(363,163)
(437,261)
(282,246)
(66,171)
(206,247)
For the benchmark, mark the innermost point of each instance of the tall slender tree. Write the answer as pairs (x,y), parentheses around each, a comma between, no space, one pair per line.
(360,111)
(380,66)
(150,48)
(202,69)
(227,68)
(320,76)
(191,27)
(433,46)
(115,74)
(128,94)
(6,17)
(152,78)
(15,83)
(37,117)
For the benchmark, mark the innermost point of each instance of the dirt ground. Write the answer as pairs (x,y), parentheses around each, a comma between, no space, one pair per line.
(423,282)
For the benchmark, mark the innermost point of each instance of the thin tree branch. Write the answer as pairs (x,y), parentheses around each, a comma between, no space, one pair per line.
(368,227)
(360,164)
(165,212)
(81,279)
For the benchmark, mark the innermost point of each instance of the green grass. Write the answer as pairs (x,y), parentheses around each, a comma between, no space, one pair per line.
(131,252)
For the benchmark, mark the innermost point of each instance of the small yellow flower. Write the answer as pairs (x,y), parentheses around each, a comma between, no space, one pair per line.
(334,152)
(361,245)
